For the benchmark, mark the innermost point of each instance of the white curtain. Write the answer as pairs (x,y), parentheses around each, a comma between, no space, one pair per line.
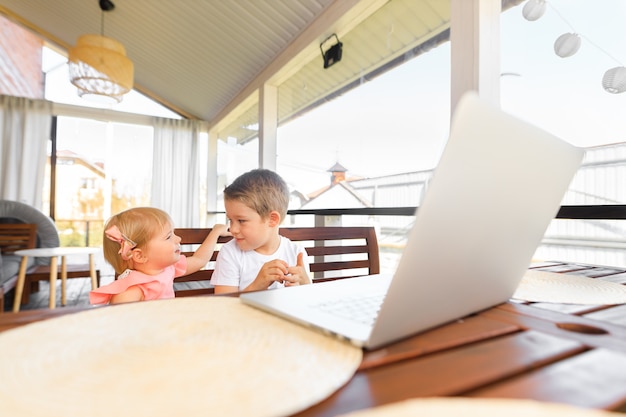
(25,126)
(175,170)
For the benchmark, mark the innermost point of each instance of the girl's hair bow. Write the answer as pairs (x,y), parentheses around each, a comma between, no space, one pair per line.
(126,244)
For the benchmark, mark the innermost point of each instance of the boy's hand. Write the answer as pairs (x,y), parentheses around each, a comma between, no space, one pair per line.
(297,274)
(277,270)
(272,271)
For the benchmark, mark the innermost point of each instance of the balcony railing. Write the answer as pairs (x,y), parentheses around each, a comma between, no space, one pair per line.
(580,212)
(393,224)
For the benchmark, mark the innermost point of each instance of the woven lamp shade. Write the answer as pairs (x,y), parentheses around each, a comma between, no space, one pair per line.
(100,69)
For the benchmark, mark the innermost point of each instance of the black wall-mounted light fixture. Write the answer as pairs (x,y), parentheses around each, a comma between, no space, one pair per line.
(333,54)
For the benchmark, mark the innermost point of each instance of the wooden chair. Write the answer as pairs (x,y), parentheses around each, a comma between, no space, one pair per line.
(338,252)
(17,236)
(334,253)
(14,237)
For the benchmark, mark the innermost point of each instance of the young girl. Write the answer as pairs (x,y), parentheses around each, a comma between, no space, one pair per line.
(141,246)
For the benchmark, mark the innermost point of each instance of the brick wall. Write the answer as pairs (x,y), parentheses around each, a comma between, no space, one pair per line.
(20,61)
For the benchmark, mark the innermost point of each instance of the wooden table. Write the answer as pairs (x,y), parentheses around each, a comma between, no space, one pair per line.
(570,354)
(53,254)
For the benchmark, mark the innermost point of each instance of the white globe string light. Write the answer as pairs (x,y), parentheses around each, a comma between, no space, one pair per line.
(614,80)
(534,9)
(566,45)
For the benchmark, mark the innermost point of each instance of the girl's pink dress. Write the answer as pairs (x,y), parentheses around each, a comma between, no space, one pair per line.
(154,287)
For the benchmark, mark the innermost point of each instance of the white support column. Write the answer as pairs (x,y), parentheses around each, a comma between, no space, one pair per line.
(211,175)
(268,124)
(475,49)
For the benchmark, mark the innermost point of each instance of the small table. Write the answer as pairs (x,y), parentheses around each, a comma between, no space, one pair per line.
(53,254)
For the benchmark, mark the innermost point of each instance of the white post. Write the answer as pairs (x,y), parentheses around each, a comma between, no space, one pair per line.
(475,49)
(268,124)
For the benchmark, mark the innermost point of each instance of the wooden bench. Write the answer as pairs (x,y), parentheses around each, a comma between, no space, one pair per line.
(14,237)
(334,253)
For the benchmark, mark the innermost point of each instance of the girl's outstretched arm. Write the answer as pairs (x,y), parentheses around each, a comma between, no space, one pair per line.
(203,254)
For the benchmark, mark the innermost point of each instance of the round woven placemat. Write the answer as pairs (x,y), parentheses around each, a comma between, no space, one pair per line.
(469,407)
(550,287)
(180,357)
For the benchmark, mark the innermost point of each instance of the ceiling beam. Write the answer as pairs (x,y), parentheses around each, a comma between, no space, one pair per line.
(338,16)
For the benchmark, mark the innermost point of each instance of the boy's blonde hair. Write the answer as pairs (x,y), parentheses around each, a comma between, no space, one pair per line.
(262,190)
(139,225)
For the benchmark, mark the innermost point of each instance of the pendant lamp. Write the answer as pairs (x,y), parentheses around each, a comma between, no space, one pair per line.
(99,67)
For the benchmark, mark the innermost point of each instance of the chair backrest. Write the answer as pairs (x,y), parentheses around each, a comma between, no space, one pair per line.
(17,236)
(334,253)
(47,234)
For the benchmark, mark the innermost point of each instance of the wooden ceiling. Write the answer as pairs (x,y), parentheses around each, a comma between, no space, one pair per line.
(203,58)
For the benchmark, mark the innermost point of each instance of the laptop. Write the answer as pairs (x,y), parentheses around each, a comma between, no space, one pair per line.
(498,184)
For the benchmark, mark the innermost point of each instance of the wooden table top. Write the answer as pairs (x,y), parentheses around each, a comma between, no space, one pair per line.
(573,354)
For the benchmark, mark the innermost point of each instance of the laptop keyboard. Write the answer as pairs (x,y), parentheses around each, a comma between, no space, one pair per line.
(359,309)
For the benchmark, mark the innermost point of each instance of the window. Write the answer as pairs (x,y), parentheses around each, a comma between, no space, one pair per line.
(565,97)
(102,168)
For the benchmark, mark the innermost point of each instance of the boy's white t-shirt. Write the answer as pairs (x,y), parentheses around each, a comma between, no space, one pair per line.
(237,268)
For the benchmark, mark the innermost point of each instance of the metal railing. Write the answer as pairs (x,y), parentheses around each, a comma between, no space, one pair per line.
(78,232)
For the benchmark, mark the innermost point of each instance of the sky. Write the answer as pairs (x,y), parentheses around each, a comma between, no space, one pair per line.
(565,95)
(399,122)
(396,123)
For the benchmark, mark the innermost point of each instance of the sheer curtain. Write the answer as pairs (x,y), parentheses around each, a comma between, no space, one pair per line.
(25,128)
(175,170)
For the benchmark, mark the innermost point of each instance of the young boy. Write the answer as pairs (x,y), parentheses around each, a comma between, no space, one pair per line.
(258,258)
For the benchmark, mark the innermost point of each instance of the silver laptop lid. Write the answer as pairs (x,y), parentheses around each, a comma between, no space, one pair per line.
(499,183)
